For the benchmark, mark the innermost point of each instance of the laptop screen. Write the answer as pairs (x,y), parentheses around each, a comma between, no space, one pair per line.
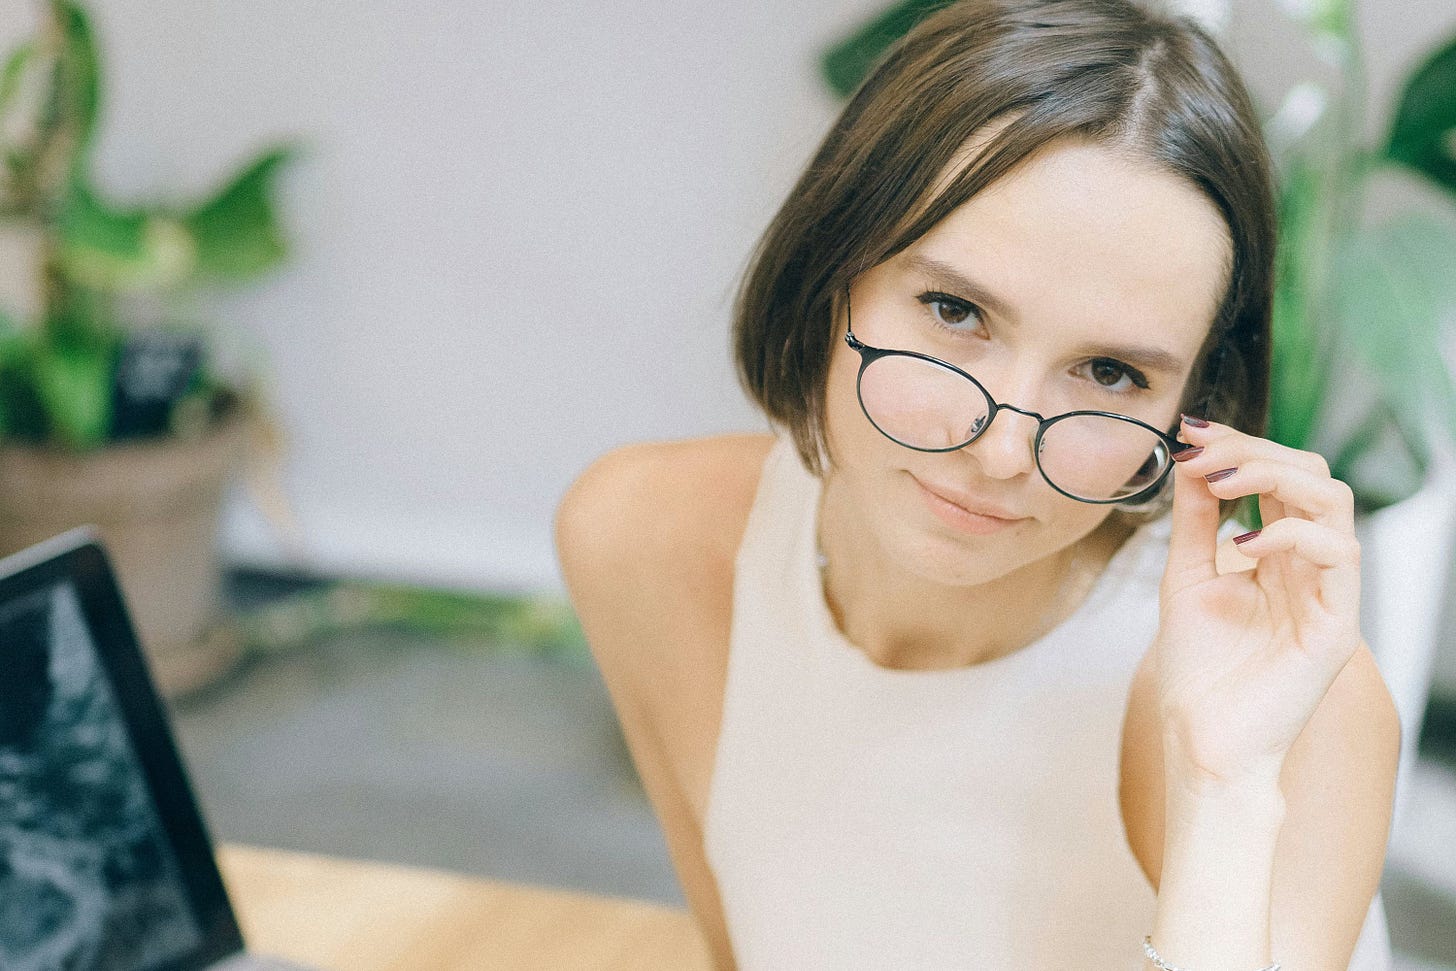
(98,831)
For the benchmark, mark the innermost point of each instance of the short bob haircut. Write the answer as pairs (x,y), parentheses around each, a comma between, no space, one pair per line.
(1103,71)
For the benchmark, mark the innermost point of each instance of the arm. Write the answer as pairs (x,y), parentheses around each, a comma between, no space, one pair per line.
(1339,787)
(651,580)
(1336,785)
(1275,734)
(1218,868)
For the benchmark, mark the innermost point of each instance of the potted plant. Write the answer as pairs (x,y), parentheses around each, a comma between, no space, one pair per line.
(1364,318)
(111,411)
(1365,314)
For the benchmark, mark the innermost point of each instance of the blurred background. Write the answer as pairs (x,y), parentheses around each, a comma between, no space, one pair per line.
(318,308)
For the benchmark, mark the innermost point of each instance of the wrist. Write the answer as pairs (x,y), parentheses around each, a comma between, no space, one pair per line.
(1237,823)
(1254,800)
(1205,810)
(1216,883)
(1194,768)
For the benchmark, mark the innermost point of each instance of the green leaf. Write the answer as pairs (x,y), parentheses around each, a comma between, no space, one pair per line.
(1333,18)
(18,160)
(79,314)
(113,249)
(13,333)
(538,624)
(22,416)
(1299,370)
(236,232)
(232,236)
(1423,135)
(1392,288)
(1381,465)
(1425,245)
(849,62)
(79,77)
(11,74)
(74,383)
(14,376)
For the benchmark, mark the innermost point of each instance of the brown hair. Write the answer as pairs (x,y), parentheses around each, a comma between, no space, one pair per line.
(1100,70)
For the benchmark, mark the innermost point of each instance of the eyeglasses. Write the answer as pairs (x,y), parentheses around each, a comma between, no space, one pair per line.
(928,405)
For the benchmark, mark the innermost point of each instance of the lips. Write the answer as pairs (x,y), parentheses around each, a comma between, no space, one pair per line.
(969,504)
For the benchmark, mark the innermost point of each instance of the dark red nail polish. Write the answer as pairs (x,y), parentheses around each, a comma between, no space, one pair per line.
(1195,422)
(1188,453)
(1220,475)
(1245,537)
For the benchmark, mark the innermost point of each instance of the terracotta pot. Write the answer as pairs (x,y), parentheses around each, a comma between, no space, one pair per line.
(157,507)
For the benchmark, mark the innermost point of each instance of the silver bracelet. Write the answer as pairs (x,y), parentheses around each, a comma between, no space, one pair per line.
(1162,965)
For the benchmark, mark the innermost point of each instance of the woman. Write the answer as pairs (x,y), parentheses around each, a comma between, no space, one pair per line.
(935,677)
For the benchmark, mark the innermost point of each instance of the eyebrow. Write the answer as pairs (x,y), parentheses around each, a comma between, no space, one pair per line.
(1139,356)
(1143,357)
(944,275)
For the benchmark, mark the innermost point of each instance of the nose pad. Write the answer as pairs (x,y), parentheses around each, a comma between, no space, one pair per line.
(1005,450)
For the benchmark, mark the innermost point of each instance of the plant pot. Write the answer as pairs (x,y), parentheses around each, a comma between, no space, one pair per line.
(157,506)
(1406,554)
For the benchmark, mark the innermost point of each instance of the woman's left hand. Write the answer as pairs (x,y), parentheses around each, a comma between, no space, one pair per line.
(1243,659)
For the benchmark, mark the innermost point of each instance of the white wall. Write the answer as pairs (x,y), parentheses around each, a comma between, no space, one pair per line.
(518,228)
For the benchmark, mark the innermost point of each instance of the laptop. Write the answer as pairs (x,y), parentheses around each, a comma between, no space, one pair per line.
(105,864)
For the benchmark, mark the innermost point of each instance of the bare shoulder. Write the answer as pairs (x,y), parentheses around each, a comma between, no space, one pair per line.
(647,538)
(1338,783)
(657,507)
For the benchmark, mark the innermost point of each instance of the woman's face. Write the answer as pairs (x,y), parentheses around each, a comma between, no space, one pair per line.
(1082,280)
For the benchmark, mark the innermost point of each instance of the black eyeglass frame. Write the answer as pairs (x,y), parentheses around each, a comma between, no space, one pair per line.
(868,355)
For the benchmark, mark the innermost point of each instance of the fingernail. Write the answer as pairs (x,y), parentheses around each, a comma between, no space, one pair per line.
(1188,453)
(1195,422)
(1245,537)
(1220,475)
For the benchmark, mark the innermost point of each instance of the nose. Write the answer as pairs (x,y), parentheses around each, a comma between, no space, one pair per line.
(1004,451)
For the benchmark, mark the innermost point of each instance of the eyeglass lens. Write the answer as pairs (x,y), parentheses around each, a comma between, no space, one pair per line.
(924,405)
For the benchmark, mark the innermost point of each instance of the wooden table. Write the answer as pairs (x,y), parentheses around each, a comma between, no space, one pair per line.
(347,915)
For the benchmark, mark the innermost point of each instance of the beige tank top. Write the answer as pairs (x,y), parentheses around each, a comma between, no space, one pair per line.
(863,817)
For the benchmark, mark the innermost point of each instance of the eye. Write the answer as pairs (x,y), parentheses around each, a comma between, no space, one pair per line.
(951,312)
(1115,376)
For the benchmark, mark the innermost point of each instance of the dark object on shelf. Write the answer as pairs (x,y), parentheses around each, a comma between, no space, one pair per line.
(154,371)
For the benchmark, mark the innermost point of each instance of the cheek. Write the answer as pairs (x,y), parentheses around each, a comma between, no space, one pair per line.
(1072,521)
(844,423)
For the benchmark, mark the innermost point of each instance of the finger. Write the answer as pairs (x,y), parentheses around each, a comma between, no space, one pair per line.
(1227,446)
(1194,543)
(1335,554)
(1326,501)
(1270,508)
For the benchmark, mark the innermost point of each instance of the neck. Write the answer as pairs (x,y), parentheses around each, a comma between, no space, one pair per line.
(905,621)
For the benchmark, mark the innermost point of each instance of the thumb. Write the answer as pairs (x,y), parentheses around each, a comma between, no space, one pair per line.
(1193,548)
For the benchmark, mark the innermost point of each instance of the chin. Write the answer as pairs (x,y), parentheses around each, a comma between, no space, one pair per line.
(959,564)
(926,548)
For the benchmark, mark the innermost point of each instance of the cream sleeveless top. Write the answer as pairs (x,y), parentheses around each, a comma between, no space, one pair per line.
(863,817)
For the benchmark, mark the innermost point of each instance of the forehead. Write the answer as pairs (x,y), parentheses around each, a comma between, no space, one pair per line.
(1091,238)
